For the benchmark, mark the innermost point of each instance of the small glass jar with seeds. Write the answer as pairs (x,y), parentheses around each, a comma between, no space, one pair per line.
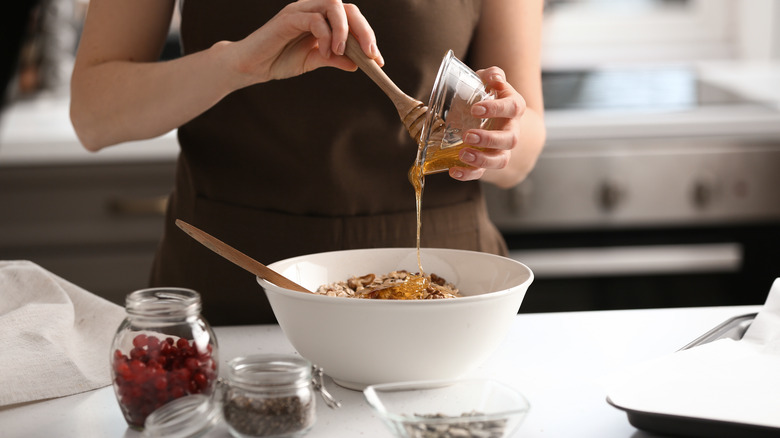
(260,396)
(268,396)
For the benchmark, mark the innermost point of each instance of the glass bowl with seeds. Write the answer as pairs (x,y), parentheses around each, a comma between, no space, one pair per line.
(472,408)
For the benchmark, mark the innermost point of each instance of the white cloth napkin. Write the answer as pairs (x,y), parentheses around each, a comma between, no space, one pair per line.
(55,337)
(726,380)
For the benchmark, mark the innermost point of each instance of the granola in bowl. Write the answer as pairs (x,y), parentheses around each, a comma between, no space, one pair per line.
(395,285)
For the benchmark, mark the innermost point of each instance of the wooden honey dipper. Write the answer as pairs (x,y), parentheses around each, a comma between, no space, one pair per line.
(411,111)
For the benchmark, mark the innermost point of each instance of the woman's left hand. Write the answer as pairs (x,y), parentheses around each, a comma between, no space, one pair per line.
(505,112)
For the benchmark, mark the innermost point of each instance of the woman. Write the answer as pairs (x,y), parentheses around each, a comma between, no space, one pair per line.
(317,161)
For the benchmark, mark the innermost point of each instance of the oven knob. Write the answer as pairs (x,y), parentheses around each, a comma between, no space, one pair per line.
(611,194)
(704,192)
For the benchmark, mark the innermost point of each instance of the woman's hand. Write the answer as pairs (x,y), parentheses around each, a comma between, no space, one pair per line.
(304,36)
(505,113)
(121,43)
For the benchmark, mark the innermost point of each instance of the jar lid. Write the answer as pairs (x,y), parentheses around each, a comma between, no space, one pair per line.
(186,417)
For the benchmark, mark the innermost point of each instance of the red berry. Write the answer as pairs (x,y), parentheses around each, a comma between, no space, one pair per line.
(161,382)
(122,369)
(201,380)
(140,340)
(192,364)
(137,353)
(184,374)
(136,392)
(137,367)
(177,391)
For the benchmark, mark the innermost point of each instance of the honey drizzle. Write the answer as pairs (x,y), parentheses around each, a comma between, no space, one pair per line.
(417,178)
(414,287)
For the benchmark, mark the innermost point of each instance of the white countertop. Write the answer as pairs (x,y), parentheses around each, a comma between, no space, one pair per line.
(39,132)
(562,362)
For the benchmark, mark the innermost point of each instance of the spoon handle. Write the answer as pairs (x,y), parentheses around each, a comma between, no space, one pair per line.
(239,258)
(403,102)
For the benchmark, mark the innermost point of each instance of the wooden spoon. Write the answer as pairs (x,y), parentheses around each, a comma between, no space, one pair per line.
(411,111)
(239,258)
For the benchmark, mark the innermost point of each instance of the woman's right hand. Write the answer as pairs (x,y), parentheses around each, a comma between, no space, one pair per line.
(304,36)
(121,42)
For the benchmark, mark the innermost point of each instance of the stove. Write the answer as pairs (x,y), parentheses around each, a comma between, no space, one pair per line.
(659,89)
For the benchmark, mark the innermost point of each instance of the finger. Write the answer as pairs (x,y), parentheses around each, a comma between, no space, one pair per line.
(315,61)
(466,173)
(293,24)
(487,159)
(330,28)
(501,139)
(363,32)
(507,107)
(508,103)
(339,24)
(320,28)
(313,37)
(493,77)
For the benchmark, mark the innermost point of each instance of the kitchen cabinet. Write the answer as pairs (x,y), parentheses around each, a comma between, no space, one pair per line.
(92,218)
(96,225)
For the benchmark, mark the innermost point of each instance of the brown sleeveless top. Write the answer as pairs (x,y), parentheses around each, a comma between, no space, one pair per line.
(313,163)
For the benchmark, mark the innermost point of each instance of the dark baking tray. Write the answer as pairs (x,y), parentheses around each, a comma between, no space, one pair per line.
(675,425)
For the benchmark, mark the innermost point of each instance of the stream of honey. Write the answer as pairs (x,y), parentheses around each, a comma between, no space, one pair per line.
(437,160)
(417,178)
(415,285)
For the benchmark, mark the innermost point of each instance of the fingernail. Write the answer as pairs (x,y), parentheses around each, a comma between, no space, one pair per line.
(478,110)
(374,51)
(457,174)
(340,48)
(468,157)
(472,139)
(497,78)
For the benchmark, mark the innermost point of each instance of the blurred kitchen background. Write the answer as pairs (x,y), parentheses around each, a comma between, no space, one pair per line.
(659,185)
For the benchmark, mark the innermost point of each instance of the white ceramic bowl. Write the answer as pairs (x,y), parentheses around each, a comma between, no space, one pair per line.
(361,342)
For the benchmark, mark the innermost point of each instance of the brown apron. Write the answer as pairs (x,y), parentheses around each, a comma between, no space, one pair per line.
(313,163)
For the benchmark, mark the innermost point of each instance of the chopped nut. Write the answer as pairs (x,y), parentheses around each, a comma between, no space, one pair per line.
(438,280)
(357,283)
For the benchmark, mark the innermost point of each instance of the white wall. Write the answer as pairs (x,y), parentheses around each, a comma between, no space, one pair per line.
(586,34)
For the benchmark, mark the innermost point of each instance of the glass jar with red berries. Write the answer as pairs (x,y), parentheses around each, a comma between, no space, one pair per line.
(163,350)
